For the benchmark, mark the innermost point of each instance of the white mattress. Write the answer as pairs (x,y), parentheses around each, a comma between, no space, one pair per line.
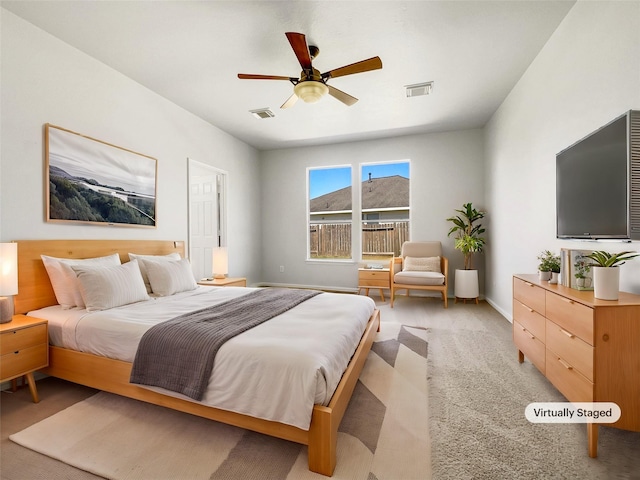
(275,371)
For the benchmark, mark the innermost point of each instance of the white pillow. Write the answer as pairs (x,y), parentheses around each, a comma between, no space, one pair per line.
(64,280)
(169,277)
(109,287)
(421,264)
(143,269)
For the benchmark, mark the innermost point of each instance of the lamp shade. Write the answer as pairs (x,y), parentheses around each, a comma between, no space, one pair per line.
(310,91)
(220,262)
(8,269)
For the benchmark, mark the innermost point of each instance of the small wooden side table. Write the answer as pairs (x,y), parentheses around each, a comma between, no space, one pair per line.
(24,348)
(374,278)
(224,282)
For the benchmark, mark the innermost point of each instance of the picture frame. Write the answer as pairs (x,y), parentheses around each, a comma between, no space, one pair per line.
(89,181)
(576,264)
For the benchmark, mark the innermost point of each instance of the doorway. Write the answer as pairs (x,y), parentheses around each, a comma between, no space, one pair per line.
(207,215)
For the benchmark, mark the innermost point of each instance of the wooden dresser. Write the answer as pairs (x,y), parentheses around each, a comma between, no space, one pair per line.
(588,348)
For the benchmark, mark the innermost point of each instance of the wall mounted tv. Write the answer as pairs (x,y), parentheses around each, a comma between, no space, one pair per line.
(598,183)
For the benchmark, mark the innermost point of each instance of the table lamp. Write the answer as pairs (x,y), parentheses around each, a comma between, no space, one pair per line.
(220,262)
(8,279)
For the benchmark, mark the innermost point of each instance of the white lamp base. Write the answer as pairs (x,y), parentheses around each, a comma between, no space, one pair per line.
(6,309)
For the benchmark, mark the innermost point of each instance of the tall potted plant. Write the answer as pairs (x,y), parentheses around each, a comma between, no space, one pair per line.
(606,274)
(469,240)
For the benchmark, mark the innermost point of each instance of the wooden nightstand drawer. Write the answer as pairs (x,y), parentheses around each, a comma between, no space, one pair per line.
(23,361)
(573,350)
(529,319)
(374,275)
(21,338)
(531,346)
(529,294)
(572,316)
(566,378)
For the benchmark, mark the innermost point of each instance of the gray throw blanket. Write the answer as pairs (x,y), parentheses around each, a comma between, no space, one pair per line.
(178,354)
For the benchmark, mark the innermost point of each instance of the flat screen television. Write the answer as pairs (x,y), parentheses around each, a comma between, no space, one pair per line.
(598,183)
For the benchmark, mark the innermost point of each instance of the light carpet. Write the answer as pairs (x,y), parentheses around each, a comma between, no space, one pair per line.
(477,396)
(382,436)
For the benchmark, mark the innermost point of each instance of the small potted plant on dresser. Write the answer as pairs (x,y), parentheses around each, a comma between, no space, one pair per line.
(549,267)
(606,274)
(469,240)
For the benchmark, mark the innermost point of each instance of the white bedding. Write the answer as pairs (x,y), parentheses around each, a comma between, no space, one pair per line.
(275,371)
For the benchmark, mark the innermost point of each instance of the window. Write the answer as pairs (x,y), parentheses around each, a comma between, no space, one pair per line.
(384,199)
(330,213)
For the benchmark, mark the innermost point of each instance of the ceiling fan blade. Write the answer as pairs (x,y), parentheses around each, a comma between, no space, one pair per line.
(343,97)
(364,66)
(291,101)
(248,76)
(299,44)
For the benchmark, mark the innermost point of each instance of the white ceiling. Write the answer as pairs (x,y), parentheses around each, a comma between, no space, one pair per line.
(191,52)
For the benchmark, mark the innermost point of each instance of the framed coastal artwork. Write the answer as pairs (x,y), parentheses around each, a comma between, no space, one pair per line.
(94,182)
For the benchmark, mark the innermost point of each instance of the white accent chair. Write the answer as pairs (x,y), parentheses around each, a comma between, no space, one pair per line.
(418,268)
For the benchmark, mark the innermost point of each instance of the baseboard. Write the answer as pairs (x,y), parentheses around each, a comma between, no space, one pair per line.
(323,288)
(502,312)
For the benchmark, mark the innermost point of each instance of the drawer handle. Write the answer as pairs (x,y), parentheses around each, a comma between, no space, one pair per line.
(530,309)
(570,302)
(565,365)
(529,284)
(528,333)
(570,335)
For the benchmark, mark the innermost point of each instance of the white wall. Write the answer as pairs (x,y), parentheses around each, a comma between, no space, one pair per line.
(446,171)
(46,81)
(587,74)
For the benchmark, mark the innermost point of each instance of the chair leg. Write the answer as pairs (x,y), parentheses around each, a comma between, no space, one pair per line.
(392,292)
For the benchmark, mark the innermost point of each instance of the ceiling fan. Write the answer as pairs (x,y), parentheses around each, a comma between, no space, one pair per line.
(312,85)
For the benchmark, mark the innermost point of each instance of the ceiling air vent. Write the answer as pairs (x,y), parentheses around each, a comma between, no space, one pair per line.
(262,113)
(419,89)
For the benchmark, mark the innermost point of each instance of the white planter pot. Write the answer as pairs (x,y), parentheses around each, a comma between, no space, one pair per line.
(554,278)
(466,284)
(544,276)
(606,282)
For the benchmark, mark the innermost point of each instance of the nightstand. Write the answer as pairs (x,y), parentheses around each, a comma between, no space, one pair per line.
(24,348)
(224,282)
(374,278)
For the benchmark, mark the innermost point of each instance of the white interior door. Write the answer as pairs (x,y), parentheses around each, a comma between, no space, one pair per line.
(206,215)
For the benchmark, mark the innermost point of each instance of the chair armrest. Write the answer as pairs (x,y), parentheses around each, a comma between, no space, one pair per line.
(444,266)
(395,265)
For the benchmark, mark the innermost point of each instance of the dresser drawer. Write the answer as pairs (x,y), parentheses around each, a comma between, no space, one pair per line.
(571,383)
(20,338)
(529,319)
(531,346)
(24,361)
(529,294)
(572,316)
(575,351)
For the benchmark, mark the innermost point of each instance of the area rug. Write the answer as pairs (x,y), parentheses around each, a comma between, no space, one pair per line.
(382,436)
(477,396)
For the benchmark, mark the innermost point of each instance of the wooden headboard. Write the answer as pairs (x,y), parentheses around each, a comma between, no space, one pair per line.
(34,287)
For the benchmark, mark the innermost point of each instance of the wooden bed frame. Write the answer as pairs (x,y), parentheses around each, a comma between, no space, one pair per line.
(113,375)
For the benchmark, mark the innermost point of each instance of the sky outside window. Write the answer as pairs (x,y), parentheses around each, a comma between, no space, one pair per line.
(326,180)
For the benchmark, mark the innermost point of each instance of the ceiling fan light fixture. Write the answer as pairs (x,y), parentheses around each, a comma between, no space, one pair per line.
(310,91)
